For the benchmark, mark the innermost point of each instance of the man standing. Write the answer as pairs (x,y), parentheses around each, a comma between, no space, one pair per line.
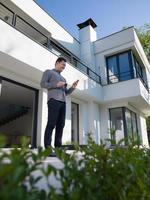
(56,85)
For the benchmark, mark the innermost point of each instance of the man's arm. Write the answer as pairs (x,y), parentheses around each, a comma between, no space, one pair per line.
(45,83)
(72,88)
(69,91)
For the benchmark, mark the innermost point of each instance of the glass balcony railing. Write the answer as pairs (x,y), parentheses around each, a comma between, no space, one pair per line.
(29,30)
(138,75)
(127,75)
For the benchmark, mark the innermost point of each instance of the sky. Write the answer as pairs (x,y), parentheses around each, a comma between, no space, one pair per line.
(109,15)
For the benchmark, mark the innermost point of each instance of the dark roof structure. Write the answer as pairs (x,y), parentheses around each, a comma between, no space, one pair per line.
(87,23)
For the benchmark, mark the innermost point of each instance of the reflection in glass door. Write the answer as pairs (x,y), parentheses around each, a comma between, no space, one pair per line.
(117,124)
(75,122)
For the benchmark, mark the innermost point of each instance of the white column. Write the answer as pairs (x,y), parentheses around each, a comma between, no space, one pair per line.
(94,121)
(105,123)
(67,129)
(42,117)
(90,118)
(143,130)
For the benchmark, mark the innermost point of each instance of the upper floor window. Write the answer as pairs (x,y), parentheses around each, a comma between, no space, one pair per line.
(125,66)
(140,72)
(119,67)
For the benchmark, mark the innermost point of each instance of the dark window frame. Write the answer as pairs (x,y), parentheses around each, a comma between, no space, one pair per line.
(138,75)
(77,122)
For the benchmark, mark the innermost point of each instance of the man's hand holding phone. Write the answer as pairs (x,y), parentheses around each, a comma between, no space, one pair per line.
(62,84)
(74,85)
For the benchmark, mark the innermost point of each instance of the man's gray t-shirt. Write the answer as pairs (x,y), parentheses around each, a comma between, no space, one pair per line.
(49,81)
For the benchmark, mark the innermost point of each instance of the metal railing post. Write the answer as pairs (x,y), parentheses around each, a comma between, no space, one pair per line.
(14,19)
(88,71)
(49,43)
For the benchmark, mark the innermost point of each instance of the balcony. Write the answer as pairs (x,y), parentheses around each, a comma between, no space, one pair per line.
(45,41)
(130,91)
(127,81)
(127,75)
(24,58)
(125,66)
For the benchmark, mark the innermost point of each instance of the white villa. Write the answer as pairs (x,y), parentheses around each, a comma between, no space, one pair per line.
(113,73)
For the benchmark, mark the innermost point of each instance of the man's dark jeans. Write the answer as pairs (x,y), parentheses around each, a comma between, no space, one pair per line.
(56,118)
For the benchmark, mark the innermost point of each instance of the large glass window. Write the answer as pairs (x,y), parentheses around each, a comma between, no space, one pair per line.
(141,72)
(131,123)
(138,68)
(124,123)
(128,122)
(119,67)
(124,67)
(134,125)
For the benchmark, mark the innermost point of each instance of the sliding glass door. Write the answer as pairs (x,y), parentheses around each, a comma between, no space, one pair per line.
(117,123)
(18,112)
(131,123)
(124,123)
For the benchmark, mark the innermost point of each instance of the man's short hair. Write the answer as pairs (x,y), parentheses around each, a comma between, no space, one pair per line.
(60,59)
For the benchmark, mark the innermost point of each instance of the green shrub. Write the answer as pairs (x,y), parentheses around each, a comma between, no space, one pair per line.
(16,173)
(97,173)
(101,173)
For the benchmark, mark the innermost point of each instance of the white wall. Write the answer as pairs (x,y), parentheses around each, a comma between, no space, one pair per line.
(42,116)
(121,90)
(115,40)
(67,129)
(104,122)
(97,119)
(143,130)
(144,93)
